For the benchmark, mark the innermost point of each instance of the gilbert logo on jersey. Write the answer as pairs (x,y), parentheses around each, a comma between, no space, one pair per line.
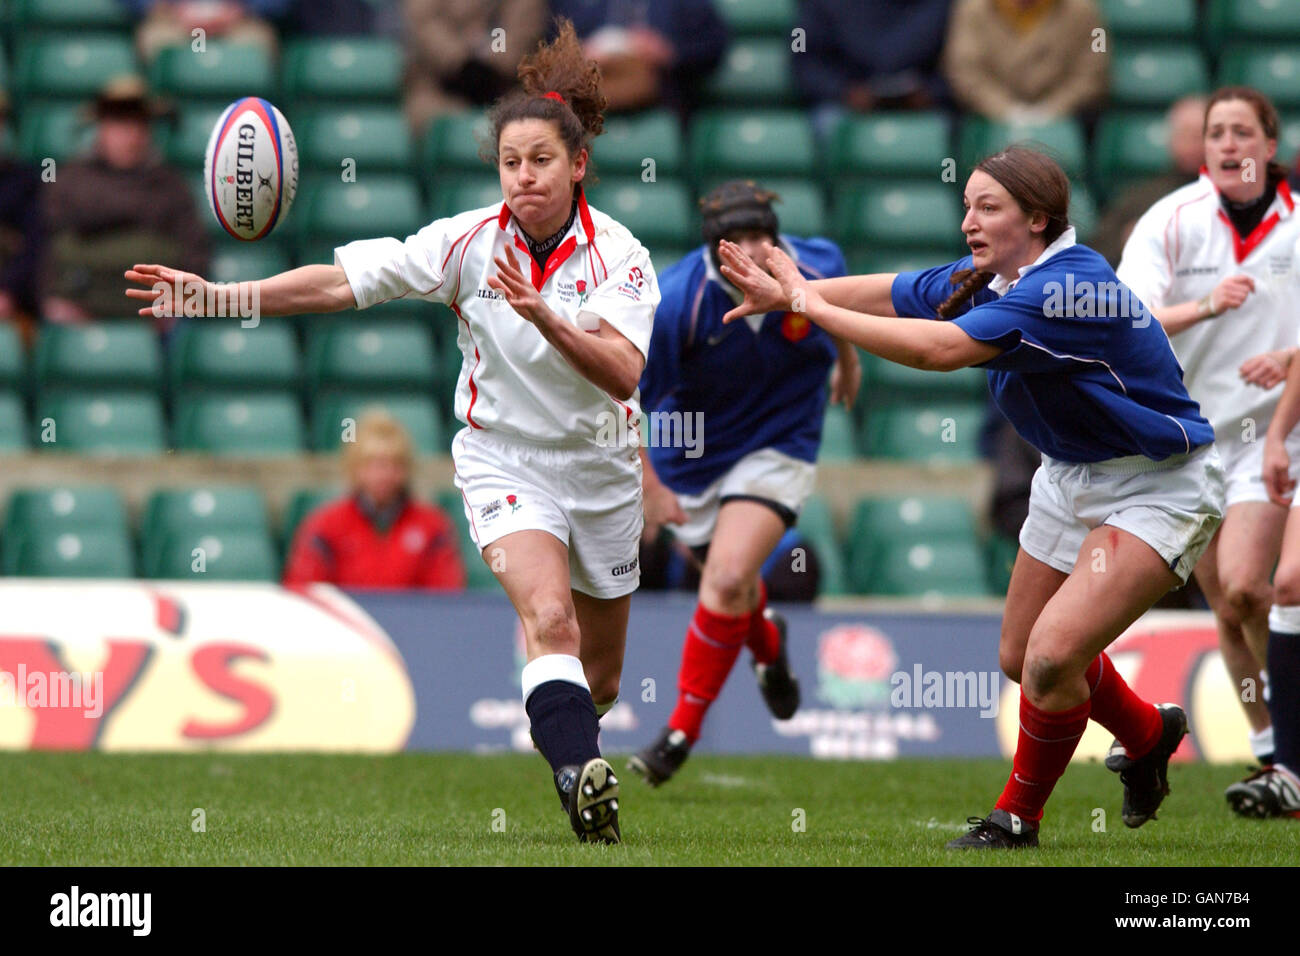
(795,326)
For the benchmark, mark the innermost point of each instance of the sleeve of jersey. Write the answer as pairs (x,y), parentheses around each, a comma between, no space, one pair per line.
(663,362)
(379,270)
(1145,266)
(1030,341)
(628,297)
(919,294)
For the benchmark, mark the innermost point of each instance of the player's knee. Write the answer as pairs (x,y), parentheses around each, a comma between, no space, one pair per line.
(1011,661)
(1044,673)
(1247,599)
(1286,586)
(555,627)
(730,588)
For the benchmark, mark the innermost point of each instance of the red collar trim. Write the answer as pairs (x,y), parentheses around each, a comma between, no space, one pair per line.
(584,215)
(1242,247)
(503,219)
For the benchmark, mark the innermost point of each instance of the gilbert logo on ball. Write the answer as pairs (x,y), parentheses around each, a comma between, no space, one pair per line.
(250,171)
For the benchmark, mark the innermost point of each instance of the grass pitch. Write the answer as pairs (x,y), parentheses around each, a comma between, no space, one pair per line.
(431,809)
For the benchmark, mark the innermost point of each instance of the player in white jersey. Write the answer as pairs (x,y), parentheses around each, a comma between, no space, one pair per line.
(1214,263)
(554,302)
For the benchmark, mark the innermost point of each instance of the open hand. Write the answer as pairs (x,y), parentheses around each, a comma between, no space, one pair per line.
(518,290)
(167,289)
(1277,473)
(762,292)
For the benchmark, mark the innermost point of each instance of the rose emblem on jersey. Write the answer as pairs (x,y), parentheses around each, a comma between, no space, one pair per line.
(513,502)
(581,286)
(795,326)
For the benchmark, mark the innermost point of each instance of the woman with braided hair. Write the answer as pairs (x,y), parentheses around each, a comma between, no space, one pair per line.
(554,302)
(1130,490)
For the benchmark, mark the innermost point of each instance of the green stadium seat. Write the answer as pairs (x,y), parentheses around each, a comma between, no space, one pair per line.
(899,215)
(753,73)
(1273,70)
(202,509)
(236,261)
(387,356)
(1154,76)
(99,423)
(1061,139)
(817,524)
(70,14)
(223,72)
(13,424)
(879,524)
(186,144)
(628,141)
(889,381)
(451,147)
(933,432)
(55,131)
(475,191)
(221,354)
(758,17)
(872,260)
(1150,19)
(838,442)
(757,143)
(69,67)
(121,353)
(923,570)
(239,424)
(658,212)
(374,138)
(419,414)
(303,503)
(42,511)
(81,553)
(1083,211)
(1001,552)
(219,555)
(336,69)
(12,366)
(479,576)
(889,145)
(380,204)
(1130,146)
(1256,21)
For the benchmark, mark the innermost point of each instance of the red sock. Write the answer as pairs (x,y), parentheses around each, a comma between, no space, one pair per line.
(1043,751)
(1135,723)
(713,642)
(764,639)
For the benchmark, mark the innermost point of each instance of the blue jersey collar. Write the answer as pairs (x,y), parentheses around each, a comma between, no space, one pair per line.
(1062,242)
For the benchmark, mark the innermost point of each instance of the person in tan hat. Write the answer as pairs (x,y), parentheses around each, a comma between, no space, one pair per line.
(120,203)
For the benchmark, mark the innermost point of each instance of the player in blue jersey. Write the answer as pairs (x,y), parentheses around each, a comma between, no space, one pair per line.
(1130,491)
(751,397)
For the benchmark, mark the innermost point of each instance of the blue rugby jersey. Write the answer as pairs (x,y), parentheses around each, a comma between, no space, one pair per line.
(753,389)
(1078,386)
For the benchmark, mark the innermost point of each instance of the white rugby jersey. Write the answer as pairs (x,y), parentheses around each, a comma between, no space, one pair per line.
(512,381)
(1183,247)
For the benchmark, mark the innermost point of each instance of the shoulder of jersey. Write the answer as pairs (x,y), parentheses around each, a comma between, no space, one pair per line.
(1182,196)
(819,253)
(610,231)
(464,221)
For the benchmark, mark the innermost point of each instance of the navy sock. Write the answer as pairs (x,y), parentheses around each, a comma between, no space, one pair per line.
(1284,697)
(564,724)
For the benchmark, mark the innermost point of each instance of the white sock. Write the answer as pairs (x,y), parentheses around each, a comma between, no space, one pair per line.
(549,667)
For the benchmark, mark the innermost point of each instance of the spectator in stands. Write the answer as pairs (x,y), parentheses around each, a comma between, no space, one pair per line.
(1186,154)
(173,22)
(378,536)
(335,17)
(650,54)
(864,55)
(1026,60)
(455,59)
(121,203)
(22,229)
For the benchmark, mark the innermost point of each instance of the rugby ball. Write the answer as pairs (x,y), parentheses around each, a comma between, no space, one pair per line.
(250,170)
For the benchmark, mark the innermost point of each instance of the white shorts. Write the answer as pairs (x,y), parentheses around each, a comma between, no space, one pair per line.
(1243,465)
(1173,505)
(586,495)
(766,473)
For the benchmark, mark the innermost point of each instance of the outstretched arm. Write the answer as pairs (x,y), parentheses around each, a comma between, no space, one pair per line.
(869,293)
(316,288)
(918,343)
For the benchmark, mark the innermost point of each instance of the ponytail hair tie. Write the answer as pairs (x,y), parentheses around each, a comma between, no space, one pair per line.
(552,95)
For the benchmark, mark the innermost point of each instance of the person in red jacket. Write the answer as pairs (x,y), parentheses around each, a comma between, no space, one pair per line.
(378,536)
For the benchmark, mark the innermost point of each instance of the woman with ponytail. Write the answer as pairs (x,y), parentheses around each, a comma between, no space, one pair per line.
(1130,490)
(554,302)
